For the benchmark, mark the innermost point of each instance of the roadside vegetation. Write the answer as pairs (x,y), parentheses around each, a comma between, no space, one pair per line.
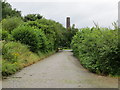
(97,49)
(15,57)
(26,40)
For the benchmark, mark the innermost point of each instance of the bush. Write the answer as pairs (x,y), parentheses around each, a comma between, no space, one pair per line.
(6,36)
(11,23)
(49,33)
(54,30)
(34,38)
(97,49)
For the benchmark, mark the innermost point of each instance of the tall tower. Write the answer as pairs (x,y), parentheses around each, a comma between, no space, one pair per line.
(68,22)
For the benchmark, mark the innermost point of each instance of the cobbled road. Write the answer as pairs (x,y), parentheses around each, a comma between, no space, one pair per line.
(61,70)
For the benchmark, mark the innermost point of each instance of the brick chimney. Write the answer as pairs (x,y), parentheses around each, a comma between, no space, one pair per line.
(68,22)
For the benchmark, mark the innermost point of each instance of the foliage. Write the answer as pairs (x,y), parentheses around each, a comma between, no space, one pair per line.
(36,33)
(32,17)
(69,35)
(97,49)
(9,68)
(16,56)
(7,10)
(6,36)
(0,10)
(54,32)
(11,23)
(34,38)
(10,53)
(0,34)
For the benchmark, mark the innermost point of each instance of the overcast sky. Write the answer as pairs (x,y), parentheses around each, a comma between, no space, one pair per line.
(82,12)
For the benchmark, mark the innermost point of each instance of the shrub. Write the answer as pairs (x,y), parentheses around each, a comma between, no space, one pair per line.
(6,36)
(54,30)
(34,38)
(97,49)
(11,23)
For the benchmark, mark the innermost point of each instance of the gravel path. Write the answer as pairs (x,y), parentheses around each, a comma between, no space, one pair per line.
(60,70)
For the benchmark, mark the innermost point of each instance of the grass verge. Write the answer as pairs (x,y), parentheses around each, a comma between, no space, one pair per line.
(16,56)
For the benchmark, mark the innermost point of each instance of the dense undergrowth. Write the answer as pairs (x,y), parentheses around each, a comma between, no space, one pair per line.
(17,56)
(97,49)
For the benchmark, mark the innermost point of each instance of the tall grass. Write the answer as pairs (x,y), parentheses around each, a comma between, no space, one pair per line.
(17,56)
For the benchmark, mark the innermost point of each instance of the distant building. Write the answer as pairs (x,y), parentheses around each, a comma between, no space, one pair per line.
(68,22)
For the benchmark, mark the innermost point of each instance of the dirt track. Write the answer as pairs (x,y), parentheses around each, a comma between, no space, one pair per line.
(60,70)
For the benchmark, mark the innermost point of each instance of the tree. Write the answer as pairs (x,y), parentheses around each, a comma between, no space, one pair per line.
(7,10)
(32,17)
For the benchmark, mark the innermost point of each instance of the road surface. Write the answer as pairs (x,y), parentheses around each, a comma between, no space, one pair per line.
(61,70)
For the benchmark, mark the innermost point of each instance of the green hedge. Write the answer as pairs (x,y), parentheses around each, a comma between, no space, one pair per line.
(97,50)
